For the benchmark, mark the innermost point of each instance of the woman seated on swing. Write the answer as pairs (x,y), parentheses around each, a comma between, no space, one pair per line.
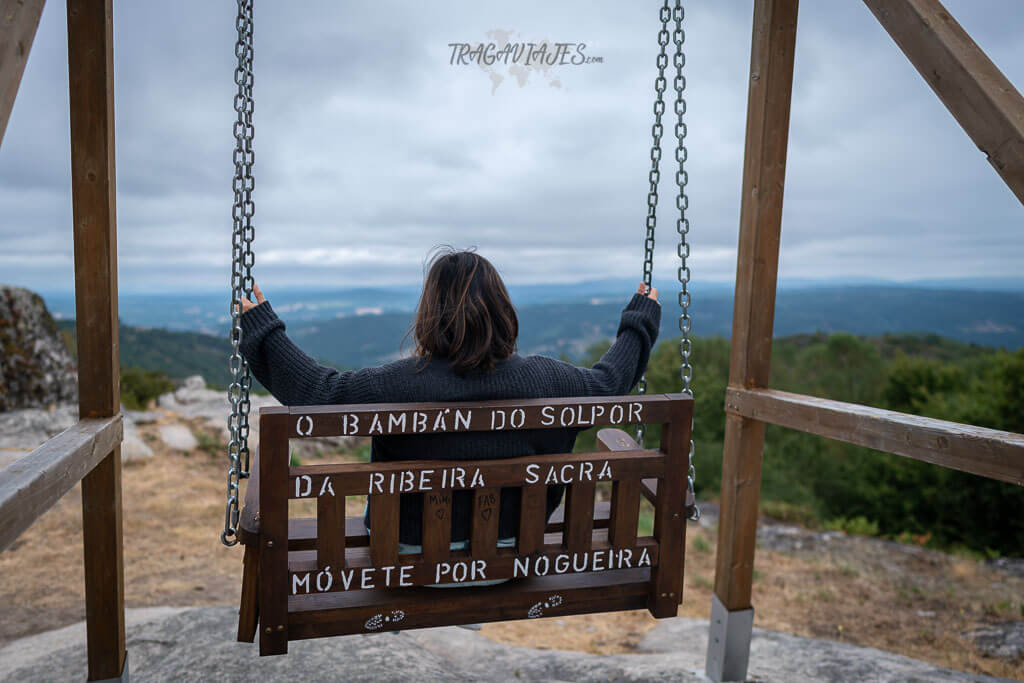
(465,332)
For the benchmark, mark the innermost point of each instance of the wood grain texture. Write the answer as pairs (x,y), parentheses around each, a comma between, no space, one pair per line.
(31,485)
(248,603)
(384,518)
(372,419)
(273,541)
(93,192)
(330,530)
(532,509)
(985,452)
(969,84)
(19,20)
(579,516)
(764,177)
(484,526)
(437,525)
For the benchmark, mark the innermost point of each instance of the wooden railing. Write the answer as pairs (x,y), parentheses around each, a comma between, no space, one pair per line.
(991,112)
(90,450)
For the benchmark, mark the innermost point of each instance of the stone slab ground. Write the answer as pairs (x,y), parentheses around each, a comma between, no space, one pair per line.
(171,644)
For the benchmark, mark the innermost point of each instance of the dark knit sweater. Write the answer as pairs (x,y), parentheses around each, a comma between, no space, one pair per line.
(295,379)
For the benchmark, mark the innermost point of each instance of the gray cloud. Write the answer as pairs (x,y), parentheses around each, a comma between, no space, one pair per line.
(371,148)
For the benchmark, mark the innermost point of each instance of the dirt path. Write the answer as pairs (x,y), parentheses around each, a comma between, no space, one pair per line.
(898,598)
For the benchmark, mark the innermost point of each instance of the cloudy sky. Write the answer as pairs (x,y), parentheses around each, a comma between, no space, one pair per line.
(372,147)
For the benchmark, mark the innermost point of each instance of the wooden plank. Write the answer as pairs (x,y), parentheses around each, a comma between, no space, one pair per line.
(974,90)
(579,516)
(666,590)
(19,20)
(273,541)
(93,193)
(384,516)
(364,611)
(414,476)
(625,512)
(306,578)
(985,452)
(437,525)
(330,531)
(484,525)
(302,530)
(764,176)
(248,603)
(532,511)
(31,485)
(382,419)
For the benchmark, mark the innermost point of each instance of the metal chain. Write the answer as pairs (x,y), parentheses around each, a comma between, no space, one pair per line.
(654,175)
(683,228)
(242,260)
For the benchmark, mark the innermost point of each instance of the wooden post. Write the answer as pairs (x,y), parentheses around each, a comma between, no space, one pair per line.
(19,20)
(91,75)
(764,171)
(977,94)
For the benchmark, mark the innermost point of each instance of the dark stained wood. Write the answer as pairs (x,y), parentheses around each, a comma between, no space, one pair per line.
(764,177)
(423,418)
(532,510)
(569,552)
(19,20)
(353,479)
(579,516)
(273,541)
(437,525)
(384,518)
(313,616)
(248,608)
(484,526)
(31,485)
(670,515)
(249,517)
(985,452)
(93,192)
(302,530)
(413,570)
(625,513)
(625,507)
(974,90)
(330,531)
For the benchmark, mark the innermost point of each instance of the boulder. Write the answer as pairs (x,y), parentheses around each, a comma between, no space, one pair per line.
(1004,640)
(36,368)
(177,437)
(167,644)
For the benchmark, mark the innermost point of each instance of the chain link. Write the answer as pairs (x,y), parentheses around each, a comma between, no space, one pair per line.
(683,229)
(242,260)
(654,175)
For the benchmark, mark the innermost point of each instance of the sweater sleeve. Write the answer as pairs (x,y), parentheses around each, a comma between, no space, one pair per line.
(294,378)
(621,366)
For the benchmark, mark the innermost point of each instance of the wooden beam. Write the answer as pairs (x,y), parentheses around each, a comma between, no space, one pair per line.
(764,175)
(91,77)
(977,94)
(31,485)
(985,452)
(19,20)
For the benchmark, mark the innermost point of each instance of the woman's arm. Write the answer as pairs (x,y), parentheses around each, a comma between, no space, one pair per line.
(621,366)
(290,375)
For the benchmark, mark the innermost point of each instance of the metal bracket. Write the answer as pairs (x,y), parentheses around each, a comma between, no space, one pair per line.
(728,642)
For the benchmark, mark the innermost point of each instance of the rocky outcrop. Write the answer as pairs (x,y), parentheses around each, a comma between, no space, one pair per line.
(36,368)
(197,644)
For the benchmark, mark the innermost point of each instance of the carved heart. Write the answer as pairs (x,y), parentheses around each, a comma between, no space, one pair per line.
(486,513)
(439,513)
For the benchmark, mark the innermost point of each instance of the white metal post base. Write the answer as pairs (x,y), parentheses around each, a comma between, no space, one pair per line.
(728,642)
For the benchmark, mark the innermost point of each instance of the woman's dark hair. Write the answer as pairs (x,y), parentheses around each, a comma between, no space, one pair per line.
(465,315)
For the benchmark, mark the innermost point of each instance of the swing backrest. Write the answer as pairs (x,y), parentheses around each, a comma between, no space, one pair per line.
(328,576)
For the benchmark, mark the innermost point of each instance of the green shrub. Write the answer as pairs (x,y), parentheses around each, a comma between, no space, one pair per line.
(139,387)
(860,525)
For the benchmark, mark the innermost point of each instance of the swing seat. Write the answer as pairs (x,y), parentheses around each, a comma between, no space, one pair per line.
(326,576)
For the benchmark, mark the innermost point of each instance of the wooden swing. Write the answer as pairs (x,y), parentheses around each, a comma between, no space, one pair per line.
(327,575)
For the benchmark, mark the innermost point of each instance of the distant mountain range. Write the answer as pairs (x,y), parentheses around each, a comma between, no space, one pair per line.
(360,327)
